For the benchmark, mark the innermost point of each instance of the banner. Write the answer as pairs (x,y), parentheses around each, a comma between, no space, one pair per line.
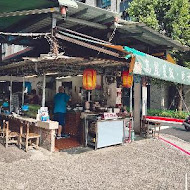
(147,65)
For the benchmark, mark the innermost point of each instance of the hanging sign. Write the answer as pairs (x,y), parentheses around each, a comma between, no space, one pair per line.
(157,68)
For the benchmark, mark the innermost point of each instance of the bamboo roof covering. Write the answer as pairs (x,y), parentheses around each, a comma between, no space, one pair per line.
(61,65)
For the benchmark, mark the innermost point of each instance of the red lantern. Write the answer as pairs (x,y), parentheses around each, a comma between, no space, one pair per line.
(89,79)
(63,11)
(127,79)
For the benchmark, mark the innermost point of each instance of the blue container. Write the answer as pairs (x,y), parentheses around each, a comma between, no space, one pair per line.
(25,108)
(5,105)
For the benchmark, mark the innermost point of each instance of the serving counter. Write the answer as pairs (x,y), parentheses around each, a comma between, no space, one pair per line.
(102,133)
(74,126)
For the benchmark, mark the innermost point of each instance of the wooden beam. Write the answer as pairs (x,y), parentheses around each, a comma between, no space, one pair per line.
(87,45)
(29,12)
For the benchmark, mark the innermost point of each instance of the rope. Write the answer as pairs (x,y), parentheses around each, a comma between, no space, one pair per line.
(113,33)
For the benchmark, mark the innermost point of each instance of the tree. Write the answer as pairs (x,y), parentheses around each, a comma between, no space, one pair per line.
(144,11)
(169,17)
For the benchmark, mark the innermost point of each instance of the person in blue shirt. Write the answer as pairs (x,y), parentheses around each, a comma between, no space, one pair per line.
(60,102)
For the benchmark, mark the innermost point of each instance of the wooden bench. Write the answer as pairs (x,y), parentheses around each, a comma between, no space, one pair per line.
(151,122)
(149,126)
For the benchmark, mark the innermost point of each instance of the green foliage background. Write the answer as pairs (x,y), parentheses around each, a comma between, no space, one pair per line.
(169,17)
(167,113)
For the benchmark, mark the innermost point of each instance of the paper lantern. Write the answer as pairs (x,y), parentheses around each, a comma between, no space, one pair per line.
(127,79)
(89,79)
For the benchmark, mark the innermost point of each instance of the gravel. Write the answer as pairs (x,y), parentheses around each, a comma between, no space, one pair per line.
(141,165)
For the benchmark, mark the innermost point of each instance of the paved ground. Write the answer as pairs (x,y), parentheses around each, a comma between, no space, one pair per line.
(145,164)
(178,131)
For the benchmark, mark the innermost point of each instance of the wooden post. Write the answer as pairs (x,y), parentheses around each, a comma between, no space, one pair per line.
(23,89)
(89,96)
(11,86)
(20,137)
(7,134)
(131,99)
(137,106)
(144,97)
(54,46)
(44,90)
(1,53)
(27,136)
(53,24)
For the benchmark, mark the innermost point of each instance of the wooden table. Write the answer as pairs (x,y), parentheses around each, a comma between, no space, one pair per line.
(45,129)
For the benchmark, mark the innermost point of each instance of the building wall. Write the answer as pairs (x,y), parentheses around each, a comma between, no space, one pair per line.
(12,50)
(34,81)
(158,96)
(110,90)
(111,100)
(76,84)
(115,4)
(91,2)
(186,104)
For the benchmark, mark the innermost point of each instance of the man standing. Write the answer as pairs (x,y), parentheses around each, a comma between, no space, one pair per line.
(60,102)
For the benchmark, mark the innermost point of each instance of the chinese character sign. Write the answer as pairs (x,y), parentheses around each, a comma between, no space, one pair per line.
(157,68)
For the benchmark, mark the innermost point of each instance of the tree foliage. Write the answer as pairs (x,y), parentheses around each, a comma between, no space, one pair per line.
(169,17)
(144,11)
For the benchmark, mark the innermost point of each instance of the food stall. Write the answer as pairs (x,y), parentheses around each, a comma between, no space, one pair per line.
(92,94)
(95,115)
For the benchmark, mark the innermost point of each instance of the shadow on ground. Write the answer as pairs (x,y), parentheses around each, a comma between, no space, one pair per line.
(179,132)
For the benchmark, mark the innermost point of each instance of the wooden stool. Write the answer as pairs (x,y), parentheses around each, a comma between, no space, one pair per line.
(28,137)
(9,137)
(157,124)
(153,129)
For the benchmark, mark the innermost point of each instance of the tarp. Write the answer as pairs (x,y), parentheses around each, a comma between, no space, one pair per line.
(147,65)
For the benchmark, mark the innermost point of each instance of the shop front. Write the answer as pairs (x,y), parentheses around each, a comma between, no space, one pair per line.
(95,116)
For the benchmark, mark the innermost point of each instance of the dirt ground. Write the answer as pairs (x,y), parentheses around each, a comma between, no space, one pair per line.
(141,165)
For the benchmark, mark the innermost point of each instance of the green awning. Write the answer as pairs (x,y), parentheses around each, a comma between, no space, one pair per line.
(20,5)
(148,65)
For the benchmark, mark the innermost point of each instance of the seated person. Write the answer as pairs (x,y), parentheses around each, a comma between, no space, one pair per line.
(34,98)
